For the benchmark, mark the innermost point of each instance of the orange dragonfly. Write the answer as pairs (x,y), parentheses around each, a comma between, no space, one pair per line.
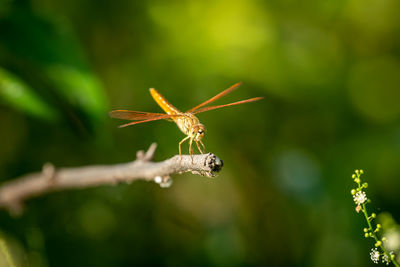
(187,122)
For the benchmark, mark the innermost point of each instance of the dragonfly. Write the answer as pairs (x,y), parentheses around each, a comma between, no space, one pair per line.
(187,122)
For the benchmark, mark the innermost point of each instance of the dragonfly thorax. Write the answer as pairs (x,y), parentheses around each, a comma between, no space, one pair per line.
(191,126)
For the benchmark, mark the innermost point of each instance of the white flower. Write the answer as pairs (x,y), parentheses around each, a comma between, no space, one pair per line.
(360,197)
(375,255)
(386,258)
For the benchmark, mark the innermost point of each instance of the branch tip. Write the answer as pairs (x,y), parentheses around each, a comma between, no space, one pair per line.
(148,155)
(214,163)
(150,152)
(49,171)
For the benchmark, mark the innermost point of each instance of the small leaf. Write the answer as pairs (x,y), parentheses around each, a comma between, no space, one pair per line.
(81,88)
(16,93)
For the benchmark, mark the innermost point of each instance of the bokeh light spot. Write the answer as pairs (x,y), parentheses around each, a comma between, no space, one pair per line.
(297,173)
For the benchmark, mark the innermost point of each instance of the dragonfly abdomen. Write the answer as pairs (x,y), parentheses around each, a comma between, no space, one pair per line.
(163,103)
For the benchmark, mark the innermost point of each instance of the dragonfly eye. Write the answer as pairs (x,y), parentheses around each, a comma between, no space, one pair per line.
(198,130)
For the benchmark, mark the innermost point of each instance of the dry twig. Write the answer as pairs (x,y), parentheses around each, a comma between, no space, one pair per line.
(15,192)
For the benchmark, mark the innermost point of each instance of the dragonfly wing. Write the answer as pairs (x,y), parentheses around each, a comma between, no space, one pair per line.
(139,116)
(223,93)
(164,116)
(133,115)
(227,105)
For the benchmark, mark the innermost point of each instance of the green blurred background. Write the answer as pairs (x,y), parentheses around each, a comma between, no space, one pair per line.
(330,75)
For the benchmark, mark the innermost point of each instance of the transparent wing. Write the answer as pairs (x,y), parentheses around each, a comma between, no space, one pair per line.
(223,93)
(133,115)
(166,116)
(139,116)
(227,105)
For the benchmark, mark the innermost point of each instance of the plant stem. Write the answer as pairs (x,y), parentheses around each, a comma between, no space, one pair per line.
(371,230)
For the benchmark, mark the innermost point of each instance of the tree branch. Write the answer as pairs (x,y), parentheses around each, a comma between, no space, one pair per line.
(15,192)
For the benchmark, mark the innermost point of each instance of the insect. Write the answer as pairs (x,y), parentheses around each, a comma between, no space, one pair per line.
(187,122)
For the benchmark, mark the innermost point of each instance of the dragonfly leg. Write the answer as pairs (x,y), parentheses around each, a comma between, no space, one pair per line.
(198,147)
(191,149)
(204,147)
(180,150)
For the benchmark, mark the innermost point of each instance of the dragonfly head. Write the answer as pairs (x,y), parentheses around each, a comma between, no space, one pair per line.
(198,131)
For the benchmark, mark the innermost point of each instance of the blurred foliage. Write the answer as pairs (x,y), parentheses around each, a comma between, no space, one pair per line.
(19,95)
(45,53)
(329,71)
